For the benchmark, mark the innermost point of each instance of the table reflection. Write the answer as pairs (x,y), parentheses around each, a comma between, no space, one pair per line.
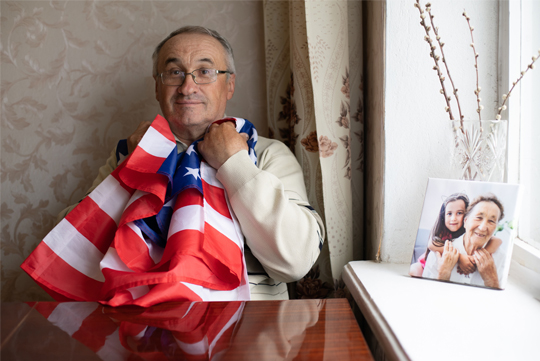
(256,330)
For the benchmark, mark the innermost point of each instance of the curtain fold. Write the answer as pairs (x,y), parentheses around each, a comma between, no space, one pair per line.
(315,106)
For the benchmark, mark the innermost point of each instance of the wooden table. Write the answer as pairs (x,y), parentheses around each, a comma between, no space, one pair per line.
(254,330)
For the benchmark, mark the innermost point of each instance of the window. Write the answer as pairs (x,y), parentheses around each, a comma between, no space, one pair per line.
(520,40)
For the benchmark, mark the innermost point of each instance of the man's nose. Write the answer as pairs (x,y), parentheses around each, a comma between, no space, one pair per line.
(188,86)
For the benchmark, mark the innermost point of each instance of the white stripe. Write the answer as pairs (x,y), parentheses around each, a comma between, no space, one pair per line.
(113,261)
(237,228)
(113,349)
(239,123)
(209,175)
(156,144)
(138,194)
(75,249)
(237,315)
(111,197)
(69,316)
(138,291)
(197,348)
(140,334)
(223,224)
(206,294)
(189,309)
(188,217)
(193,217)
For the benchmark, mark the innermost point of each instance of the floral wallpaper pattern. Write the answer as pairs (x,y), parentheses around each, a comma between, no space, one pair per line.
(76,77)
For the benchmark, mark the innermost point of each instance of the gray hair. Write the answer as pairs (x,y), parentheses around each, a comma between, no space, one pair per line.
(229,58)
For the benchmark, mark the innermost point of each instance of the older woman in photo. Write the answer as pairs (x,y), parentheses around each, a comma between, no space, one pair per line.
(480,222)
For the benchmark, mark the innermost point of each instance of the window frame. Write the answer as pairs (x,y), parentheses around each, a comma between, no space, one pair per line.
(514,48)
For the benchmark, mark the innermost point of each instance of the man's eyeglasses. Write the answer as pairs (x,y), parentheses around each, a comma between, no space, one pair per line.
(200,76)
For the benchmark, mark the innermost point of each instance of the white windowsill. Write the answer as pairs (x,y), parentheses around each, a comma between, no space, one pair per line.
(419,319)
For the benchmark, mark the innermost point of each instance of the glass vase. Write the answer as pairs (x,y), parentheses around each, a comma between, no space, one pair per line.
(479,150)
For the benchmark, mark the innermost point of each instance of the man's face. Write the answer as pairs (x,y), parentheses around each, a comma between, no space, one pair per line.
(481,222)
(190,108)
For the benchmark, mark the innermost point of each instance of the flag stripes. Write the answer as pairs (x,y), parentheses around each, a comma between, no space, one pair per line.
(187,331)
(108,250)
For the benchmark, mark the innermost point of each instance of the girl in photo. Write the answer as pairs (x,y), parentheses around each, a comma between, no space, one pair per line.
(448,226)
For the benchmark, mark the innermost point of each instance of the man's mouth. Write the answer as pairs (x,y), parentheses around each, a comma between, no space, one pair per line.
(479,235)
(188,102)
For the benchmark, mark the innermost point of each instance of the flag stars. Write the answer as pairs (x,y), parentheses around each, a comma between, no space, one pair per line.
(193,171)
(191,149)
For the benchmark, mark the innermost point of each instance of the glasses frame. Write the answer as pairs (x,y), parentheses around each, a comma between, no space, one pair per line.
(194,77)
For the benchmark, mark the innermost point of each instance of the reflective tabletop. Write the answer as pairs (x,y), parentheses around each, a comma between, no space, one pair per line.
(253,330)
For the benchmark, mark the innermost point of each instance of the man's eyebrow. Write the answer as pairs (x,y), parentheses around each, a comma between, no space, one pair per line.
(178,61)
(172,60)
(206,60)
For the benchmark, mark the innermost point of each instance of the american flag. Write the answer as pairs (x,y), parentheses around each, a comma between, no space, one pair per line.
(159,228)
(186,331)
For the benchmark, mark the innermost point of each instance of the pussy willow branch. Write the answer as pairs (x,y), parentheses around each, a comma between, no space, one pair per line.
(506,96)
(435,57)
(478,89)
(441,45)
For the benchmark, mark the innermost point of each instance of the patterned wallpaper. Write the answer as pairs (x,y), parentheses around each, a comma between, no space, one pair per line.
(75,78)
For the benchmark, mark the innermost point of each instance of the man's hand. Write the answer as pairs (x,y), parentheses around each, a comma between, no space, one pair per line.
(134,139)
(446,262)
(466,264)
(486,268)
(221,141)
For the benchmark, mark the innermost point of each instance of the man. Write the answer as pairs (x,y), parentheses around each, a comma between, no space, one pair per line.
(480,223)
(194,78)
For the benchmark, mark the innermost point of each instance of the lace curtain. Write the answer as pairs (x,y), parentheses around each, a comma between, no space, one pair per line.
(315,105)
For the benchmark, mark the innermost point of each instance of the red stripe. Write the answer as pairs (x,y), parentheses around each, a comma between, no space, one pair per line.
(94,330)
(188,253)
(93,223)
(189,197)
(163,292)
(127,333)
(145,206)
(162,126)
(53,273)
(224,251)
(133,250)
(215,197)
(115,174)
(46,308)
(215,318)
(139,178)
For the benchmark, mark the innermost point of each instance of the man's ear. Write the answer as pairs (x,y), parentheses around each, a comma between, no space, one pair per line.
(156,87)
(230,86)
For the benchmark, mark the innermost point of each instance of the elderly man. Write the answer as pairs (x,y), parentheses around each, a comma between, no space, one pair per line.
(194,78)
(480,223)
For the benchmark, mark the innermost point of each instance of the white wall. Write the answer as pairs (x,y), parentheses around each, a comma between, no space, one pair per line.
(417,130)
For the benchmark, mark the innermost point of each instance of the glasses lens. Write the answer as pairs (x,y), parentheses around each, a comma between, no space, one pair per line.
(173,77)
(205,76)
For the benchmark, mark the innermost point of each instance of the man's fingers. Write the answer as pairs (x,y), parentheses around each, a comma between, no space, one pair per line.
(144,125)
(134,139)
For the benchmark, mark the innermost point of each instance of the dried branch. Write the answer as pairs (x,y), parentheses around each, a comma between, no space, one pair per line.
(506,96)
(478,88)
(435,57)
(441,45)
